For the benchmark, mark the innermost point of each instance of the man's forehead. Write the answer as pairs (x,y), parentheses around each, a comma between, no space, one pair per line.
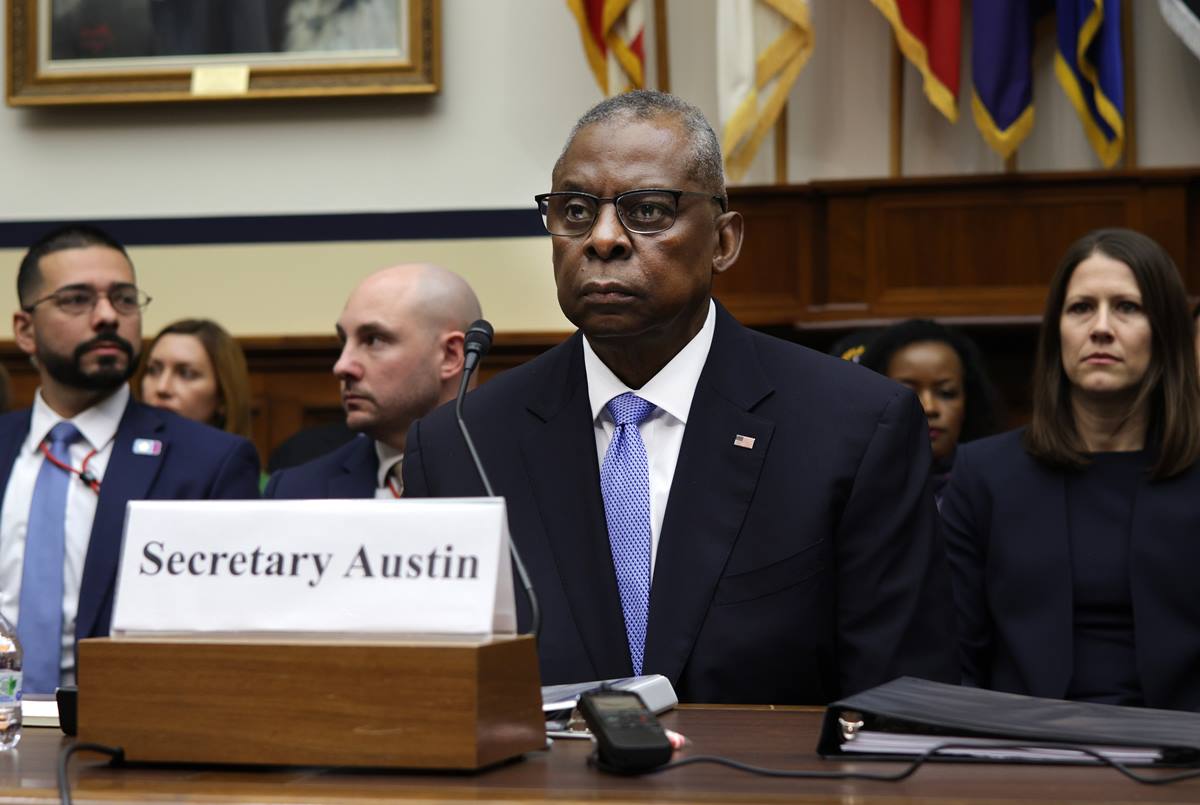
(370,309)
(639,150)
(85,265)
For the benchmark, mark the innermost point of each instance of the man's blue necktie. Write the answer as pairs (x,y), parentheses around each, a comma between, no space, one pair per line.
(40,619)
(625,485)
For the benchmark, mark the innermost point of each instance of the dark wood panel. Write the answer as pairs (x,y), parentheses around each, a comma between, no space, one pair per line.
(950,246)
(779,233)
(979,242)
(840,280)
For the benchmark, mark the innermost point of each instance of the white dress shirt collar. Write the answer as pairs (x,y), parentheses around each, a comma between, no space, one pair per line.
(97,424)
(671,390)
(388,457)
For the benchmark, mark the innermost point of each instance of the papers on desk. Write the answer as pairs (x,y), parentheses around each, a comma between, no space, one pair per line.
(37,711)
(887,743)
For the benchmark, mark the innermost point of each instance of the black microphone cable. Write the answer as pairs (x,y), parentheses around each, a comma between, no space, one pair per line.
(905,771)
(478,342)
(64,757)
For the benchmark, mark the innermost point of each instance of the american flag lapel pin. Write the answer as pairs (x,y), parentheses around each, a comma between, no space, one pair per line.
(743,441)
(153,447)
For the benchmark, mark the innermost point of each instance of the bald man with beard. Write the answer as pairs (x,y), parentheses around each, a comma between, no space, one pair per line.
(402,356)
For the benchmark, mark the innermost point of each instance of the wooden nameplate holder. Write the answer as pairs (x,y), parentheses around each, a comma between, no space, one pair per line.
(388,704)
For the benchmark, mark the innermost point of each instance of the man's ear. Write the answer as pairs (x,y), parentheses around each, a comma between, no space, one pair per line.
(730,228)
(452,351)
(23,332)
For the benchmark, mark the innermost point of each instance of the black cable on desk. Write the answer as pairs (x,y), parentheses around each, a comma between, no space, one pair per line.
(893,777)
(64,756)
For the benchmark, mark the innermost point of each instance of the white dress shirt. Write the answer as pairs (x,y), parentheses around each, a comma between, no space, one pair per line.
(98,426)
(671,392)
(388,457)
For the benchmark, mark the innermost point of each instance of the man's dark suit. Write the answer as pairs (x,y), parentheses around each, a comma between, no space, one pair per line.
(196,462)
(348,472)
(1009,544)
(795,571)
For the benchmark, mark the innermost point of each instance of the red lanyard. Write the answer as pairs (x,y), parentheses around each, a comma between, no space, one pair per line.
(83,472)
(391,486)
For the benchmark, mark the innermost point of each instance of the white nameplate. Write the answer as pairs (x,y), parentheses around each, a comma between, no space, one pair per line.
(232,79)
(374,567)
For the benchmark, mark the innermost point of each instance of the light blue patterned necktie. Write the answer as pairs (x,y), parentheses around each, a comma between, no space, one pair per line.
(625,485)
(40,618)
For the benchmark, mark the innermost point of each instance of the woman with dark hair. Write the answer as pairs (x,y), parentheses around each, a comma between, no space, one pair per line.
(1074,542)
(943,367)
(195,368)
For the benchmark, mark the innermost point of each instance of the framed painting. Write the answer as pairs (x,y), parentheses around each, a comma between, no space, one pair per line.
(74,52)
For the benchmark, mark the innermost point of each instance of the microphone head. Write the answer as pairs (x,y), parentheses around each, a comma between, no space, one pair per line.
(478,338)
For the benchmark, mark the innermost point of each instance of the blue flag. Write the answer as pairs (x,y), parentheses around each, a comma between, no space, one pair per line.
(1002,71)
(1089,67)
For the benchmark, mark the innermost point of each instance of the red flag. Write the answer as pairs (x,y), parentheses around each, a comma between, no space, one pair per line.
(929,33)
(613,33)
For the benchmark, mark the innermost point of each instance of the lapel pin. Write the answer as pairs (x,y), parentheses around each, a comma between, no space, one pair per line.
(743,441)
(152,447)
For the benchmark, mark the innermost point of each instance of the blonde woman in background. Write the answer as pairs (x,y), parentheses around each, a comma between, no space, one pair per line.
(196,369)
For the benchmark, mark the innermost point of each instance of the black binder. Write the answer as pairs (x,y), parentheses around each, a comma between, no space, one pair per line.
(917,706)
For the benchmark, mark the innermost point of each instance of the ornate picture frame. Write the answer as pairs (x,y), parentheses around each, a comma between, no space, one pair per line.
(86,52)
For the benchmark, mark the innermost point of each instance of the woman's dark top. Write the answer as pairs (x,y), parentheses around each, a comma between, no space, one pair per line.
(1100,504)
(940,476)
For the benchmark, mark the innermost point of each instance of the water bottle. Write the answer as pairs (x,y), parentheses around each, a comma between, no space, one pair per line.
(10,686)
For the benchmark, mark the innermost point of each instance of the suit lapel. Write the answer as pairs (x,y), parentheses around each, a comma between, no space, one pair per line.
(713,485)
(11,438)
(128,476)
(357,479)
(1035,586)
(559,447)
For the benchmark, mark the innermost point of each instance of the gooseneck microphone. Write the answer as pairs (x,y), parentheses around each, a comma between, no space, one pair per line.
(477,343)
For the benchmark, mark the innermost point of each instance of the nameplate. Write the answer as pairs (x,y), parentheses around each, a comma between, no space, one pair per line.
(233,79)
(357,567)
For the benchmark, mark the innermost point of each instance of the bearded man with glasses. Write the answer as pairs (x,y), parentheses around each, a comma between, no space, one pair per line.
(745,516)
(71,462)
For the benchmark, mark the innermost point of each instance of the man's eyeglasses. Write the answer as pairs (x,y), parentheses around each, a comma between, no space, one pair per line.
(75,300)
(645,212)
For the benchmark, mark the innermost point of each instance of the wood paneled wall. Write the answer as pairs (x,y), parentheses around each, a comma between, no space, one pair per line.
(827,258)
(972,247)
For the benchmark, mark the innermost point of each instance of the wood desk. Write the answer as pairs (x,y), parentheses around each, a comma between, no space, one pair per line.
(783,737)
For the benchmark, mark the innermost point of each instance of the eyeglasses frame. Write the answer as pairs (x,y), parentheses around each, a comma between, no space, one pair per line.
(144,299)
(542,198)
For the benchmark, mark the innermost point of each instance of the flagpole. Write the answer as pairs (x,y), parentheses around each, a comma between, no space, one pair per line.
(781,144)
(896,125)
(1129,151)
(662,61)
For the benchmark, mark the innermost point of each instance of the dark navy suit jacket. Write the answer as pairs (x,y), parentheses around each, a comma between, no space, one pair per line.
(795,571)
(196,463)
(1005,518)
(348,472)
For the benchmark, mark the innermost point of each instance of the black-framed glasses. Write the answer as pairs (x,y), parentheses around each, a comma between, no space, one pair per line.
(75,300)
(644,212)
